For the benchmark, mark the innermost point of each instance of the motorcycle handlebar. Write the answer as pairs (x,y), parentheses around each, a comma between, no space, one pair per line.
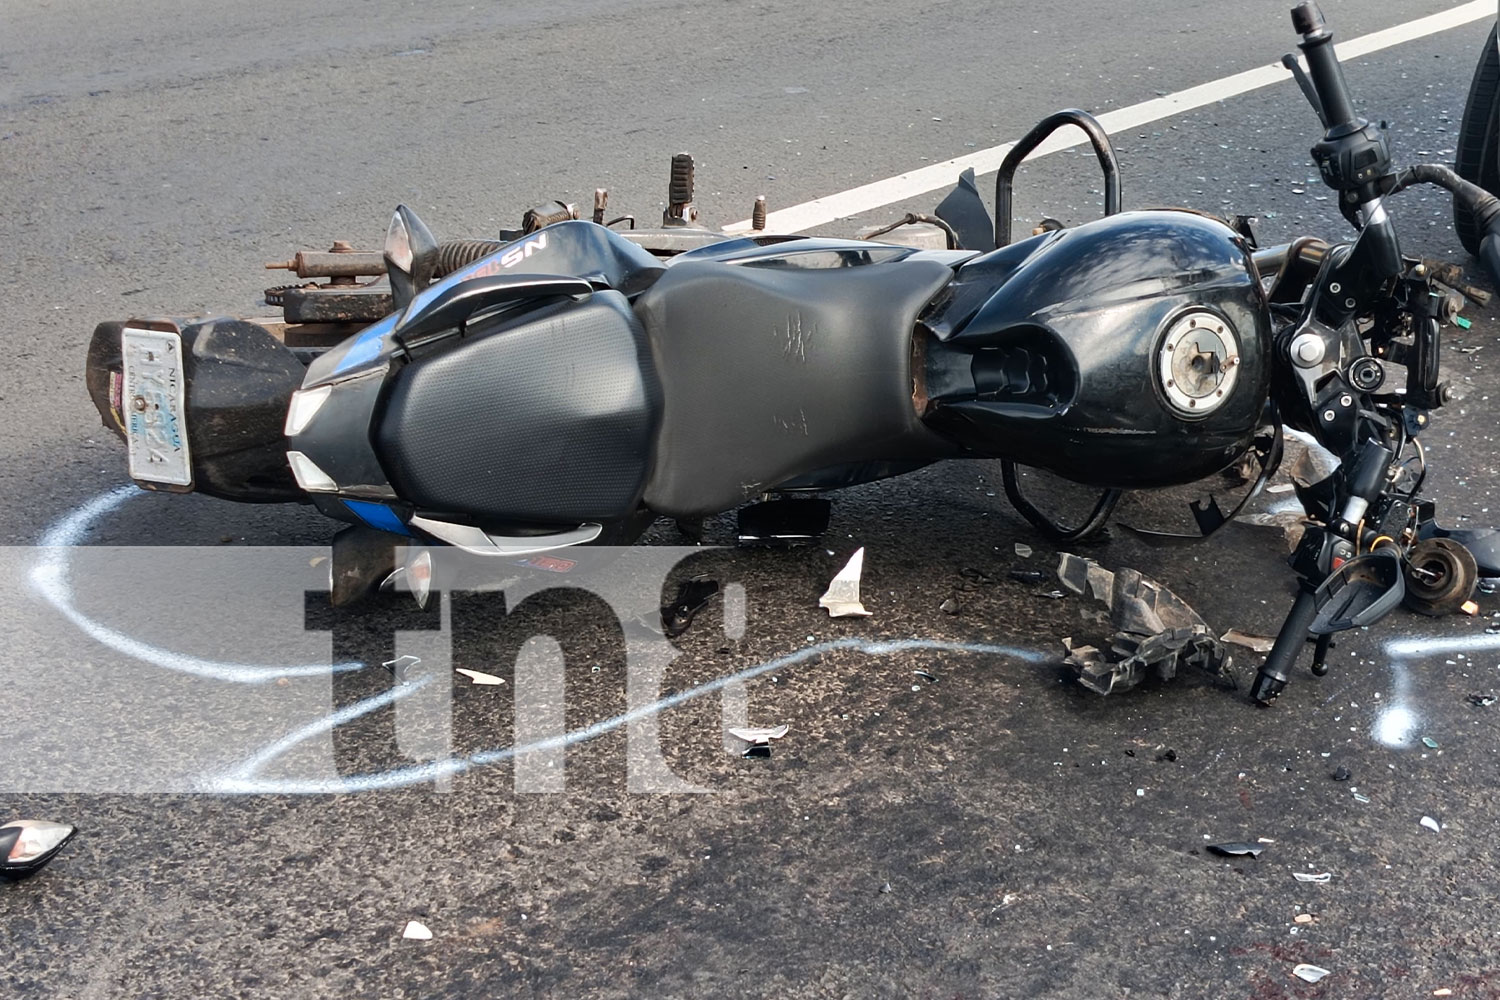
(1323,65)
(1289,644)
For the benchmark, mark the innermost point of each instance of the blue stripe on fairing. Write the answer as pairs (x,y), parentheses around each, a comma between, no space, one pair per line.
(378,516)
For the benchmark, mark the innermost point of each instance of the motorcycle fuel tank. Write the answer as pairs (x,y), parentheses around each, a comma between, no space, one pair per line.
(1130,352)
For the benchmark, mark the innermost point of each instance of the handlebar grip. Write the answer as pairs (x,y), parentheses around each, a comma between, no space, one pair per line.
(1283,656)
(1323,65)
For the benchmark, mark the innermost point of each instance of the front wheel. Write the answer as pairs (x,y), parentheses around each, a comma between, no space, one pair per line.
(1477,140)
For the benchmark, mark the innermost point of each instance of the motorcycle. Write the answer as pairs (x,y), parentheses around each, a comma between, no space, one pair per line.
(570,382)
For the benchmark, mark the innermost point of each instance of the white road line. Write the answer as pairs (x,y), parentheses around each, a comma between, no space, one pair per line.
(821,211)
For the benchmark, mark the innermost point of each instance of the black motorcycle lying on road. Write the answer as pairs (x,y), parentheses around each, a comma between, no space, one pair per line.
(572,381)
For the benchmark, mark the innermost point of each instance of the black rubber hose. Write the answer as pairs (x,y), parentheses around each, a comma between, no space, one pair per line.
(1485,206)
(454,254)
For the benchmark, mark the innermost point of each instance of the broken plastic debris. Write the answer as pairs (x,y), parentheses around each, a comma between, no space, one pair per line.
(1364,799)
(400,665)
(842,597)
(1319,878)
(750,735)
(757,750)
(1482,700)
(1429,743)
(950,606)
(692,597)
(1431,824)
(416,931)
(1258,643)
(1342,773)
(28,844)
(1155,630)
(1027,575)
(1055,595)
(1309,973)
(1237,849)
(929,678)
(1469,608)
(1023,550)
(479,677)
(1444,992)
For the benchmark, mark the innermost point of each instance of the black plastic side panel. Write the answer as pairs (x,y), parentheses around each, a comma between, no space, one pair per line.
(239,379)
(771,373)
(547,418)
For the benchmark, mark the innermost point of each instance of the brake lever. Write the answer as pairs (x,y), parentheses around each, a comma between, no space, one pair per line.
(1308,91)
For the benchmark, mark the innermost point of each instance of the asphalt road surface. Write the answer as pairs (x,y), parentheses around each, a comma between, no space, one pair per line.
(982,828)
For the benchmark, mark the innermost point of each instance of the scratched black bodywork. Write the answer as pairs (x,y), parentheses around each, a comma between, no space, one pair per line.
(1043,351)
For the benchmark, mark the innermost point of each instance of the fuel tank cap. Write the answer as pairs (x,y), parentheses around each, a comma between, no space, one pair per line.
(1198,362)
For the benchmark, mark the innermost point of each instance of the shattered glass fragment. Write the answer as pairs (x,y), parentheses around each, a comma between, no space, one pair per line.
(400,665)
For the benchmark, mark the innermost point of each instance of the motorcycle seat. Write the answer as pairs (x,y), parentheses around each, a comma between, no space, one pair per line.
(769,372)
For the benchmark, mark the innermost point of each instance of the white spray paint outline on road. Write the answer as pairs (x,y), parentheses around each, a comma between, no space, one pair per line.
(937,176)
(49,577)
(243,780)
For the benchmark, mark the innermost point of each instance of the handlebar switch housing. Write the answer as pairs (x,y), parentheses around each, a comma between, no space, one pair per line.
(1355,158)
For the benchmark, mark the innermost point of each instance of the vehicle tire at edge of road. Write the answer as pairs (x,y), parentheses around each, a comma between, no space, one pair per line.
(1477,136)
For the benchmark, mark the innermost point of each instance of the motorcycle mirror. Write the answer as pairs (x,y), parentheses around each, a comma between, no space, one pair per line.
(410,256)
(28,844)
(1360,592)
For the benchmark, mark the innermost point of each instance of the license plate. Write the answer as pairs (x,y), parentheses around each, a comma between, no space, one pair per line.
(153,406)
